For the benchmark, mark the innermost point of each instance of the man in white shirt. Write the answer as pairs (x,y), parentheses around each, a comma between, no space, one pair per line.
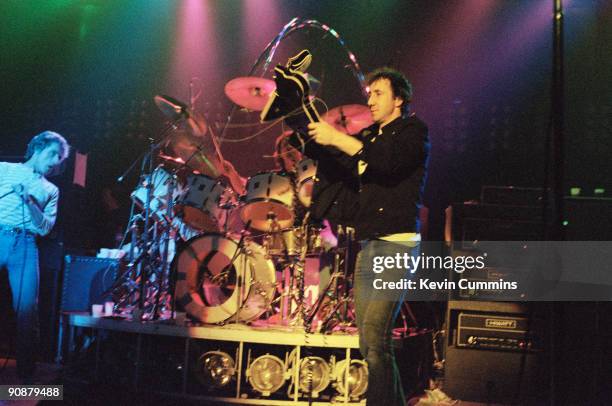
(28,208)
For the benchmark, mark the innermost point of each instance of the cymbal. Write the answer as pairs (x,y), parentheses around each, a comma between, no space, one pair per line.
(250,91)
(195,152)
(170,107)
(176,110)
(349,118)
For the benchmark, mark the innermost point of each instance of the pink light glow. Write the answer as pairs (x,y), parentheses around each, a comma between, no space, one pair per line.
(196,47)
(261,21)
(513,44)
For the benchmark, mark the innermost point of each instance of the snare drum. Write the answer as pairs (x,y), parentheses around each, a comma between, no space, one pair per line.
(306,171)
(199,204)
(207,271)
(293,242)
(161,181)
(269,202)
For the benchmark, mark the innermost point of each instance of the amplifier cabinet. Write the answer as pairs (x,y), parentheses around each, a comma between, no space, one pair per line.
(86,279)
(496,352)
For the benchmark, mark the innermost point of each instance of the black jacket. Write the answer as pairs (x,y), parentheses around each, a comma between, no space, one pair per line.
(385,199)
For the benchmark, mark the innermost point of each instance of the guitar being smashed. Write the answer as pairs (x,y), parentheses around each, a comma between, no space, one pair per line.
(291,99)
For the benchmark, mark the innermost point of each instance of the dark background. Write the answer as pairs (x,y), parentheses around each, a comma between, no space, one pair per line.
(481,72)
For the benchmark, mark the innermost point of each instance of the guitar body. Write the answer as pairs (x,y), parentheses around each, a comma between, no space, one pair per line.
(290,99)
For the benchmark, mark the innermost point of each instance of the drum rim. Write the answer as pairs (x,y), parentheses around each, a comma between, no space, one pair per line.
(216,181)
(265,200)
(279,172)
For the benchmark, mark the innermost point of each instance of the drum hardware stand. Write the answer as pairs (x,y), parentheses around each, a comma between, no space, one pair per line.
(299,315)
(144,259)
(348,262)
(240,249)
(297,318)
(133,227)
(166,242)
(339,294)
(288,293)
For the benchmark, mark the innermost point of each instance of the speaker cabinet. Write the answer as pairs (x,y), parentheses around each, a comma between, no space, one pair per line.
(492,366)
(86,279)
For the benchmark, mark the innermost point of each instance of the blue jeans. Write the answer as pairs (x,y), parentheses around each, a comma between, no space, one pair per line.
(19,255)
(376,312)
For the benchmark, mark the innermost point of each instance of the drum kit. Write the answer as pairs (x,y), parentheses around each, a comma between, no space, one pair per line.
(210,243)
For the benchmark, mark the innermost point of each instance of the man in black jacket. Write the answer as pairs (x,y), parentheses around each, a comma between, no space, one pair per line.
(374,182)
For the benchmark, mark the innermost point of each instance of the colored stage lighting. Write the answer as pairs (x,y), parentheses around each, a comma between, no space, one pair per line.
(217,367)
(267,374)
(314,376)
(356,381)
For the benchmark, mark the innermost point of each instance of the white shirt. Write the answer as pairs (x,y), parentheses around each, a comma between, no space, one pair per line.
(13,212)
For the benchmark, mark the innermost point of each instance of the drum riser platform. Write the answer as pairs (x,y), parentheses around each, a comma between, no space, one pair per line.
(156,344)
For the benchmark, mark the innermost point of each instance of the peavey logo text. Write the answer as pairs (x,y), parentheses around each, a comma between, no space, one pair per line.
(500,323)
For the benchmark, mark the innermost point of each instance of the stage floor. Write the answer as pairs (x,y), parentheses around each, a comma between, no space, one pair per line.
(260,333)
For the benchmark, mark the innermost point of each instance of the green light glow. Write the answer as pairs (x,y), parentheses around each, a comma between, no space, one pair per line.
(88,12)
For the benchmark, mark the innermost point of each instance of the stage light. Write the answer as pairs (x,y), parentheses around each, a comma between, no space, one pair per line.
(357,381)
(267,374)
(314,376)
(217,367)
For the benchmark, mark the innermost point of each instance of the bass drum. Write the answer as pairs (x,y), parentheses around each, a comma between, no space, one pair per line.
(208,269)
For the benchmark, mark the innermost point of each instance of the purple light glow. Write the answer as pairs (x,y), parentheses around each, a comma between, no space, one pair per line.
(516,41)
(454,32)
(196,52)
(482,42)
(261,21)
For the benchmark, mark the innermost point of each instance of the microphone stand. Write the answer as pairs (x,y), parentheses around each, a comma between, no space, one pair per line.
(144,155)
(145,263)
(166,243)
(240,248)
(146,175)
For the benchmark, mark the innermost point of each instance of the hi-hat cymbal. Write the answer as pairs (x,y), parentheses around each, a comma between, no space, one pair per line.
(250,92)
(349,118)
(172,108)
(176,110)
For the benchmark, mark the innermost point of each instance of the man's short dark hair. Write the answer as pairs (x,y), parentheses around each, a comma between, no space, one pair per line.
(399,84)
(42,141)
